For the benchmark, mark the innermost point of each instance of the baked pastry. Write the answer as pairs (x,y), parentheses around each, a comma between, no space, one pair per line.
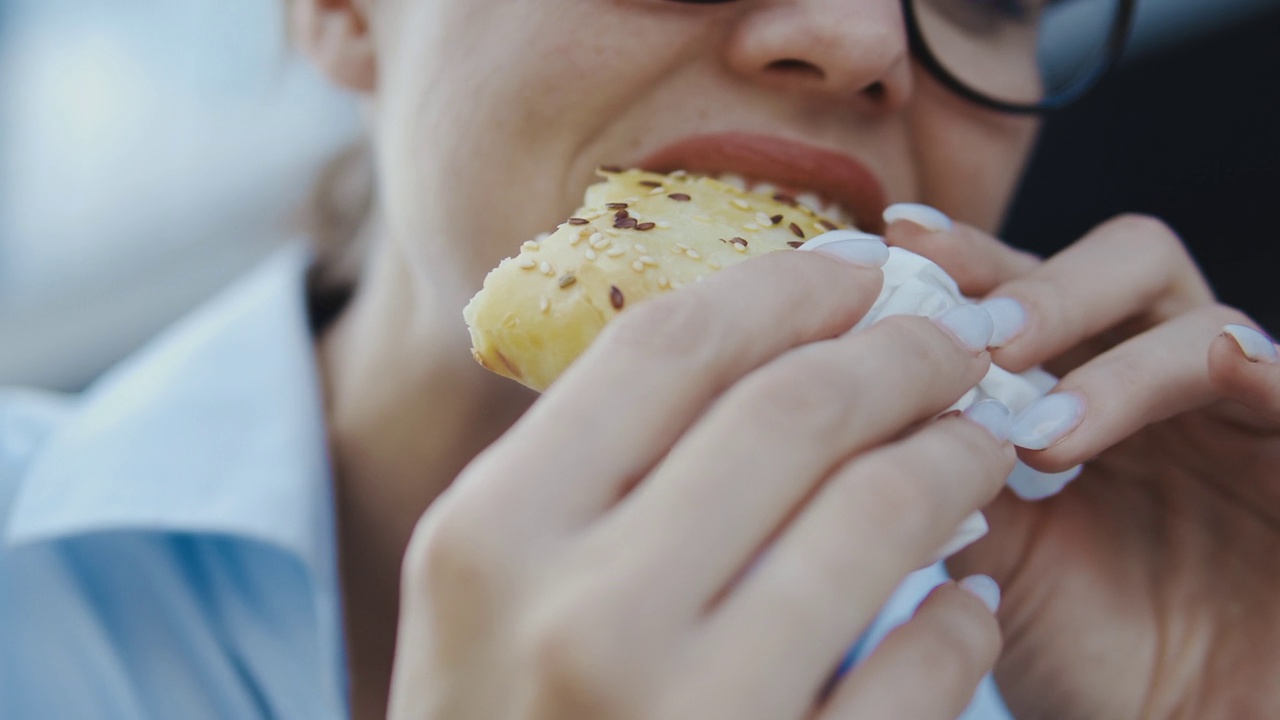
(637,234)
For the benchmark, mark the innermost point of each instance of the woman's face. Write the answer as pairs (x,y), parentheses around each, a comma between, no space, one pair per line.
(490,116)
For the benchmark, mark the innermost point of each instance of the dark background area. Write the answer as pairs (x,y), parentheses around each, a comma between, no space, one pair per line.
(1191,135)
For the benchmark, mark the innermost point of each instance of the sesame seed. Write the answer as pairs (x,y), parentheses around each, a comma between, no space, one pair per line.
(740,204)
(615,297)
(590,254)
(750,226)
(827,225)
(615,252)
(664,282)
(641,249)
(680,197)
(646,226)
(611,232)
(610,168)
(681,247)
(625,223)
(573,241)
(650,183)
(616,206)
(530,245)
(739,241)
(796,230)
(693,254)
(637,266)
(785,199)
(663,224)
(601,244)
(544,304)
(740,248)
(578,221)
(795,243)
(566,280)
(656,191)
(820,227)
(713,264)
(545,268)
(528,263)
(646,260)
(775,219)
(541,236)
(679,173)
(595,238)
(763,219)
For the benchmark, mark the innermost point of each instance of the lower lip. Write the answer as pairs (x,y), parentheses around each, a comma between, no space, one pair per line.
(781,162)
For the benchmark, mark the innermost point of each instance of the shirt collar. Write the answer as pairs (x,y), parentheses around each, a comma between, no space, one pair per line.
(216,427)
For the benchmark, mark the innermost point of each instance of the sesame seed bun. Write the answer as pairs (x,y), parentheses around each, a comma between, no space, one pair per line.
(638,234)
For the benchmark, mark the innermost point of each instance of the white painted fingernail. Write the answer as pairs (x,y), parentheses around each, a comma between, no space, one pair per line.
(992,415)
(1030,484)
(929,218)
(970,324)
(852,246)
(985,588)
(1047,420)
(1255,346)
(971,530)
(1010,319)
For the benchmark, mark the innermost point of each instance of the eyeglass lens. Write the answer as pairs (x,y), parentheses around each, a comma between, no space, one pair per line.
(1018,51)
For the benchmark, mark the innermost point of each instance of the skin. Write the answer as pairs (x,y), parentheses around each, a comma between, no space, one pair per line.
(503,571)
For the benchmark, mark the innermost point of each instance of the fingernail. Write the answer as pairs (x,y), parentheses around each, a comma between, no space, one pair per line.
(971,530)
(1030,484)
(1255,346)
(930,219)
(1010,319)
(985,588)
(852,246)
(970,324)
(1047,420)
(992,415)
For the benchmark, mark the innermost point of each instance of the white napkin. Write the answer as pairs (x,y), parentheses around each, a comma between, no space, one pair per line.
(915,285)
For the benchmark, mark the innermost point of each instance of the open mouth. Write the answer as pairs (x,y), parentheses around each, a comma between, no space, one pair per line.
(830,183)
(810,199)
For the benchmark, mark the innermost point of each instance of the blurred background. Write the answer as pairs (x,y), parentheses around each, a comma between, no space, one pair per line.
(151,150)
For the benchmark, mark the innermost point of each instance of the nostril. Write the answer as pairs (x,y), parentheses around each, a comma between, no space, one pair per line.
(792,66)
(876,91)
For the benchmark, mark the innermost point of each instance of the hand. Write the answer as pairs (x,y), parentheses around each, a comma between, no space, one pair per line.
(1148,588)
(704,513)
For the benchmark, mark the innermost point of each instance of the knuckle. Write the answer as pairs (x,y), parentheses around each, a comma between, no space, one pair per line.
(447,554)
(1155,234)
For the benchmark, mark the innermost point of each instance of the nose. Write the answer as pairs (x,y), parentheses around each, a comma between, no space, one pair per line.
(846,50)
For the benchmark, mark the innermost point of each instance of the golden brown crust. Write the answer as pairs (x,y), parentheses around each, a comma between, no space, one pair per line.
(638,234)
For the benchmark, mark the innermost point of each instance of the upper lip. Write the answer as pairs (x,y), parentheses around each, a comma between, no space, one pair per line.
(791,165)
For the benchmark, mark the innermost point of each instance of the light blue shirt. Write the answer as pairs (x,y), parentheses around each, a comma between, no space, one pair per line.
(169,535)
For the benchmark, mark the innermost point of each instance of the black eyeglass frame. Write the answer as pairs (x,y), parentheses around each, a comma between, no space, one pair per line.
(1115,48)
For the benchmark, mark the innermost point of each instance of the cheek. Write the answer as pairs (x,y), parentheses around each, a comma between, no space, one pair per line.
(480,126)
(969,159)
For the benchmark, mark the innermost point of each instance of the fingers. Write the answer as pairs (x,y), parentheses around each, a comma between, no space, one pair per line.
(1131,267)
(879,517)
(734,478)
(1148,378)
(929,667)
(654,369)
(1244,365)
(978,262)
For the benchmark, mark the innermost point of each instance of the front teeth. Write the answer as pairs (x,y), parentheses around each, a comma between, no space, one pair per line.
(810,200)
